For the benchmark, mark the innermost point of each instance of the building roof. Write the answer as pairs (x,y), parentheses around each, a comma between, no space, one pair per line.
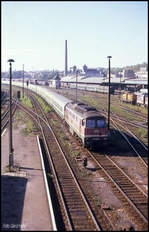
(100,80)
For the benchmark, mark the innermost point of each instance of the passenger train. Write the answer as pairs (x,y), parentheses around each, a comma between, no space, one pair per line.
(84,121)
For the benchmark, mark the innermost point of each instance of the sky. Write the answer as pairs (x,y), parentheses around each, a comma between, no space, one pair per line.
(34,34)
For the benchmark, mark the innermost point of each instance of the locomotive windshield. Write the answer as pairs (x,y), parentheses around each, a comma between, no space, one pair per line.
(101,123)
(95,123)
(90,123)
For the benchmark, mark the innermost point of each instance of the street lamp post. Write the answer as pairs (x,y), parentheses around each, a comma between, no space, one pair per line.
(23,80)
(120,88)
(10,118)
(109,94)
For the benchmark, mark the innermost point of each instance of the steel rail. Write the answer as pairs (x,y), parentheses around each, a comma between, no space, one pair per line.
(54,172)
(116,126)
(146,165)
(5,118)
(118,187)
(124,173)
(126,129)
(134,124)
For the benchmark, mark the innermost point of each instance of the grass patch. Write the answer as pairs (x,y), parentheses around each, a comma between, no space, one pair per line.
(97,201)
(122,113)
(26,101)
(142,110)
(30,126)
(83,173)
(18,118)
(53,122)
(45,107)
(143,135)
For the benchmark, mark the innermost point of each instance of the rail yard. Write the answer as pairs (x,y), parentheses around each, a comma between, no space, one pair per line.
(102,188)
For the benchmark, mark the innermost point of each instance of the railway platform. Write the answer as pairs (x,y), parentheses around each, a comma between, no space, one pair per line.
(24,201)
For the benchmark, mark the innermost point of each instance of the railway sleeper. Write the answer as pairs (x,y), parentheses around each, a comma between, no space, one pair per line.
(81,227)
(134,192)
(76,206)
(142,205)
(80,212)
(140,201)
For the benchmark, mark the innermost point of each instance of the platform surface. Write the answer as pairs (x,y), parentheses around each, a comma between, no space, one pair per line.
(24,201)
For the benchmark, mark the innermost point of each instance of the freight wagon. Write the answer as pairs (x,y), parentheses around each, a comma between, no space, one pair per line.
(129,98)
(142,100)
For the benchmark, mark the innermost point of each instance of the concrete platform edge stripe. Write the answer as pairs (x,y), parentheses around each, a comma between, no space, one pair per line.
(47,190)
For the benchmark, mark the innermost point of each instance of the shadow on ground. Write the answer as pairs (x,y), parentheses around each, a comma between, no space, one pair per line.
(12,201)
(117,146)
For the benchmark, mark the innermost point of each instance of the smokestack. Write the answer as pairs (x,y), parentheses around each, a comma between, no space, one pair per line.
(65,57)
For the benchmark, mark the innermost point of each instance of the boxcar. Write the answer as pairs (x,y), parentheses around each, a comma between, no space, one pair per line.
(131,98)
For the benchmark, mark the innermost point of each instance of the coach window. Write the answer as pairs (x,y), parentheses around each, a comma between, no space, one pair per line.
(90,123)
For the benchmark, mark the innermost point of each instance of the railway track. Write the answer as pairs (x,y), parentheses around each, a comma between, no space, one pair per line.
(76,210)
(5,117)
(135,199)
(132,123)
(138,147)
(144,117)
(141,220)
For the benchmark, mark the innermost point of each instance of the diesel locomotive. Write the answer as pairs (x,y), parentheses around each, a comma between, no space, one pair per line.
(87,123)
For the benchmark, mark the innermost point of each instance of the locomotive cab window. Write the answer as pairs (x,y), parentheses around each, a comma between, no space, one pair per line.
(101,123)
(90,123)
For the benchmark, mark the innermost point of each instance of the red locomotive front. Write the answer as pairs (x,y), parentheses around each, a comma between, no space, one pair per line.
(95,130)
(87,123)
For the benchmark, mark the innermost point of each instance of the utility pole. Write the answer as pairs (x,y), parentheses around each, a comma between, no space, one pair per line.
(27,82)
(23,80)
(76,84)
(66,58)
(10,119)
(109,94)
